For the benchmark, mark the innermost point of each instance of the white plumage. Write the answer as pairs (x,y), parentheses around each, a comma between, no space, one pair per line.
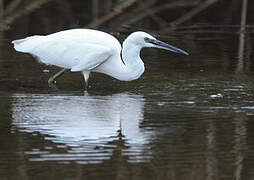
(89,50)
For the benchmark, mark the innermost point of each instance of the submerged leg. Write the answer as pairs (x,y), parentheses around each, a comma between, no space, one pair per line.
(86,77)
(52,79)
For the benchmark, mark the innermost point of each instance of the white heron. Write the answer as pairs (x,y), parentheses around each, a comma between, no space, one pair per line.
(88,50)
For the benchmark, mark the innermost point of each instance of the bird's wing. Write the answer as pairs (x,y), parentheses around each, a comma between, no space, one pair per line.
(98,54)
(75,54)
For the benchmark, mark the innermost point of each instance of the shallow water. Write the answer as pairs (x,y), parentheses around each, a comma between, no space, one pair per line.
(187,117)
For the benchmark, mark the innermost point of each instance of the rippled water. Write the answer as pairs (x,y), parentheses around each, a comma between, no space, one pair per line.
(187,117)
(187,127)
(88,127)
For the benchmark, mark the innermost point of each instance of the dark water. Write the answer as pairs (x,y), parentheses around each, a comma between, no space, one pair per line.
(187,117)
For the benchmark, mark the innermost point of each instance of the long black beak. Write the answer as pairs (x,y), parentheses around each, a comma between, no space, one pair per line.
(166,46)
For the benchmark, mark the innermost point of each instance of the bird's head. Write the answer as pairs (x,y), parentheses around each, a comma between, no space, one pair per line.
(144,39)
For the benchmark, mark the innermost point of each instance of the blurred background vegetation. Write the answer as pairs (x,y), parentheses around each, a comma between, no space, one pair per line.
(161,16)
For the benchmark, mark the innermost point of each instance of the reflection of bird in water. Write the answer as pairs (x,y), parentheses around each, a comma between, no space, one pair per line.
(89,51)
(97,124)
(91,118)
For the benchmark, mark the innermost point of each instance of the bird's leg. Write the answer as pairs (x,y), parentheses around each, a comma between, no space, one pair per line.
(87,84)
(86,77)
(52,78)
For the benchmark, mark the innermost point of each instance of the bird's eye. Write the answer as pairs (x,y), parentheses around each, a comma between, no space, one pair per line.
(147,39)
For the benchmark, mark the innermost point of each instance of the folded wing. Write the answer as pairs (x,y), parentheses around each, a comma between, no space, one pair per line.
(74,54)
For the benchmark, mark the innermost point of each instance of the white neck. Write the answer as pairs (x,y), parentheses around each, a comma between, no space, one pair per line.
(134,66)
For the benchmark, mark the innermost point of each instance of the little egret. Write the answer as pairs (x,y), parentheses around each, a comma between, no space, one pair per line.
(87,51)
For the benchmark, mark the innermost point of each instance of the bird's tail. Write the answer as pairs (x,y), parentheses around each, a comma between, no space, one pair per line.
(26,44)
